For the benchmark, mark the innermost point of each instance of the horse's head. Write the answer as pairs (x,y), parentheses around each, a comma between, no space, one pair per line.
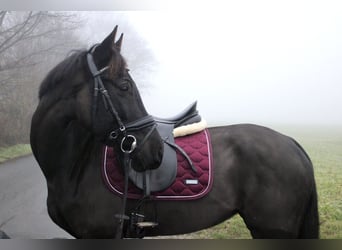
(106,101)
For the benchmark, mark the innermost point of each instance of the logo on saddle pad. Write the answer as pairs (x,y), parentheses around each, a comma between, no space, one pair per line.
(185,182)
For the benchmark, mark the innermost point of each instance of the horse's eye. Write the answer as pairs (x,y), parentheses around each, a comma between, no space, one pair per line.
(124,85)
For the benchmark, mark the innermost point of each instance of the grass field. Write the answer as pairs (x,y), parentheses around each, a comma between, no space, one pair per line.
(324,146)
(7,153)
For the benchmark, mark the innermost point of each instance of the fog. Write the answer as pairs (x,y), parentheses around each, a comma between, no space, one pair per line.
(274,64)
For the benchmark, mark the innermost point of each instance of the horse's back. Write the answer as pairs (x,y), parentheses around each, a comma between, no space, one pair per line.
(262,147)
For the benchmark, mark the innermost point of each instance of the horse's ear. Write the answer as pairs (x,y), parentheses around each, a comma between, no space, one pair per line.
(103,51)
(119,43)
(109,41)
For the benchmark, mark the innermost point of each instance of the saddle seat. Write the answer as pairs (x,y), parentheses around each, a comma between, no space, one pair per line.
(162,177)
(188,116)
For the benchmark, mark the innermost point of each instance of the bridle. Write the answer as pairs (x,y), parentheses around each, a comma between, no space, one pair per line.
(129,148)
(123,130)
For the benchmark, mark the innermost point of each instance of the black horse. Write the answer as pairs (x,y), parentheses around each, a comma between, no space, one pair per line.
(260,174)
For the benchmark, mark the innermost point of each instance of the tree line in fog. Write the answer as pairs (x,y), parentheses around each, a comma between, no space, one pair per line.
(30,44)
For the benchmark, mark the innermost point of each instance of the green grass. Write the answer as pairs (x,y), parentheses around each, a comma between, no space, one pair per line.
(231,229)
(7,153)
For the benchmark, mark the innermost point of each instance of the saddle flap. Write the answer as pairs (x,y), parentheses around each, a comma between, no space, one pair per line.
(162,177)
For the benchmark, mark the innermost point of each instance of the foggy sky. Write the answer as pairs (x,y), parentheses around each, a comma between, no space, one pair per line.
(279,64)
(245,65)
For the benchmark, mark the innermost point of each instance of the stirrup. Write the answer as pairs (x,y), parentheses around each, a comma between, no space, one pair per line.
(137,220)
(145,224)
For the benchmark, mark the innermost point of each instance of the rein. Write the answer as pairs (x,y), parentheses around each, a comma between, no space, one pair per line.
(129,144)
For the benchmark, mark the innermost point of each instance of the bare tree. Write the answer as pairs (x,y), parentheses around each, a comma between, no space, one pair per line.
(30,44)
(21,35)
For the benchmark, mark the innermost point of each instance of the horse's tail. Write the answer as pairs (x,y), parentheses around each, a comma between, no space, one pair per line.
(310,224)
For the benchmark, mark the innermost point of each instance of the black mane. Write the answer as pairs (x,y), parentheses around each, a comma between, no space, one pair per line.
(64,70)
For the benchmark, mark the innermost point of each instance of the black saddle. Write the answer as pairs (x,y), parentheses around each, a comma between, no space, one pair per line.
(162,177)
(187,116)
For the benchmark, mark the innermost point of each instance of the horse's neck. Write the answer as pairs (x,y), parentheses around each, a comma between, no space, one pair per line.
(59,144)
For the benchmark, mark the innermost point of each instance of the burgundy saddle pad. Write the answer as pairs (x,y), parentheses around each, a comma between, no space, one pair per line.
(188,184)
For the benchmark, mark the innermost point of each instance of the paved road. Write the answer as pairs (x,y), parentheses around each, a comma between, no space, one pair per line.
(23,213)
